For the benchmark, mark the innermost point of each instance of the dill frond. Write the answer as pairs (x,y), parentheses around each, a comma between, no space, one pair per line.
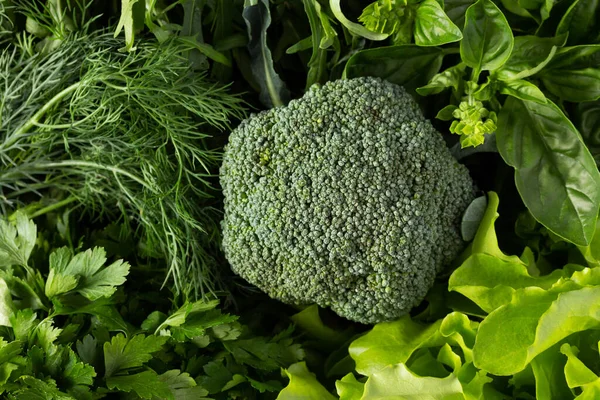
(122,133)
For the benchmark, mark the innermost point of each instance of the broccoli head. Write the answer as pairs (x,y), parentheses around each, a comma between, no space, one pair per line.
(347,197)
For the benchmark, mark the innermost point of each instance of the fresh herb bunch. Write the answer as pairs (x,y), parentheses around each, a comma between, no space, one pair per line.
(119,134)
(68,330)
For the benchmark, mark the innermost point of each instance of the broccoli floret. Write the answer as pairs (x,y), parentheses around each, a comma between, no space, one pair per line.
(347,197)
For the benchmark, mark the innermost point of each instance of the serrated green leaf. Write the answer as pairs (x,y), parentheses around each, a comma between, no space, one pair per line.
(303,385)
(145,384)
(398,382)
(122,353)
(349,388)
(6,305)
(17,241)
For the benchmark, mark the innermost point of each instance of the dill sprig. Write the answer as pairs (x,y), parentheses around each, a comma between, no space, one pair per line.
(120,134)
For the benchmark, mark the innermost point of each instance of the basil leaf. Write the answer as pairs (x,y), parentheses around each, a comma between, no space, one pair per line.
(522,90)
(433,27)
(587,120)
(451,77)
(555,173)
(488,39)
(455,10)
(410,66)
(574,73)
(529,55)
(580,21)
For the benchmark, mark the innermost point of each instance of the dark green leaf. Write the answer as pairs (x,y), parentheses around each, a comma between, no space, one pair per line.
(523,90)
(273,92)
(574,73)
(451,77)
(529,55)
(433,27)
(555,174)
(581,22)
(317,71)
(145,384)
(192,31)
(456,9)
(472,217)
(407,65)
(446,113)
(488,39)
(122,353)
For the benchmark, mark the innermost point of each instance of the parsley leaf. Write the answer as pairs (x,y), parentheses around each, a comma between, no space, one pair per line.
(122,353)
(145,384)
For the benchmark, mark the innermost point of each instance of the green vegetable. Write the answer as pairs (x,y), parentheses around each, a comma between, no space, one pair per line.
(119,134)
(63,334)
(347,198)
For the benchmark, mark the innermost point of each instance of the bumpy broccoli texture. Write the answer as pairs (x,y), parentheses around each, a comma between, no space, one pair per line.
(347,197)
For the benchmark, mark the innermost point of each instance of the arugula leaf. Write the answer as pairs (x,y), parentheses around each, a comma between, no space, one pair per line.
(273,92)
(122,353)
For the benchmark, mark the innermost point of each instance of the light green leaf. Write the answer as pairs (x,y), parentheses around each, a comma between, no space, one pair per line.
(23,323)
(529,56)
(86,270)
(491,282)
(485,240)
(16,240)
(58,283)
(310,321)
(9,350)
(534,321)
(576,372)
(591,253)
(179,317)
(433,27)
(6,305)
(488,39)
(349,388)
(131,19)
(523,90)
(391,343)
(303,385)
(548,370)
(182,385)
(450,77)
(145,384)
(397,382)
(353,27)
(122,353)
